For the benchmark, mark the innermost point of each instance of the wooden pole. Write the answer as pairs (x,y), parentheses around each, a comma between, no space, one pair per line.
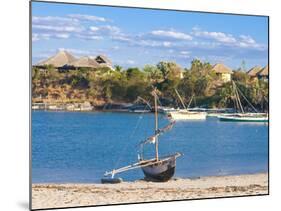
(238,98)
(156,125)
(180,99)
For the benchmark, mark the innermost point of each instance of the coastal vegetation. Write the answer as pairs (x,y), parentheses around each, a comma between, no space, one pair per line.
(104,85)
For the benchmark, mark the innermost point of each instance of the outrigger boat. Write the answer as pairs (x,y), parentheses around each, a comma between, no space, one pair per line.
(245,117)
(242,116)
(186,114)
(155,169)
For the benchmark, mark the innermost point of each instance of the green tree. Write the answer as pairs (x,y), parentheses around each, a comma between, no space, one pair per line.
(153,73)
(118,68)
(169,70)
(240,76)
(199,68)
(225,95)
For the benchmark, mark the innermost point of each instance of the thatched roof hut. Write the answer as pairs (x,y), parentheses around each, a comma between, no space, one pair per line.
(84,61)
(221,69)
(58,60)
(264,72)
(101,59)
(253,72)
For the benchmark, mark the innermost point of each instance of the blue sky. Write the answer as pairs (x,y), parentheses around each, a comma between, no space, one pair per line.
(135,37)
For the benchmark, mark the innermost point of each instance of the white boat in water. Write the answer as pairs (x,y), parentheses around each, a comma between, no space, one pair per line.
(186,114)
(167,110)
(214,112)
(246,117)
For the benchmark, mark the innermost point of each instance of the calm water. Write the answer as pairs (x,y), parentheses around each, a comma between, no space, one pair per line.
(80,147)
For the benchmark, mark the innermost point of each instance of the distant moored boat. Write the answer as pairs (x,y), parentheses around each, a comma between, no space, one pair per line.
(186,114)
(242,116)
(259,117)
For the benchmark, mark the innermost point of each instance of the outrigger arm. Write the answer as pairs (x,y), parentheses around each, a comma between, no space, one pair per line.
(139,164)
(129,167)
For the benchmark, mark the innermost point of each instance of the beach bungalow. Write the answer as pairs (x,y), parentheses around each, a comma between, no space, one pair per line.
(83,62)
(253,72)
(64,61)
(263,74)
(103,61)
(60,59)
(223,72)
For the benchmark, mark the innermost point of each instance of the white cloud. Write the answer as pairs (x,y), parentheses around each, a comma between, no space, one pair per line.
(167,44)
(185,52)
(40,36)
(76,51)
(62,36)
(171,34)
(88,37)
(57,28)
(184,56)
(83,52)
(35,37)
(47,27)
(107,29)
(222,39)
(47,36)
(122,38)
(115,48)
(130,61)
(171,50)
(70,26)
(45,20)
(87,17)
(94,28)
(247,39)
(152,43)
(218,36)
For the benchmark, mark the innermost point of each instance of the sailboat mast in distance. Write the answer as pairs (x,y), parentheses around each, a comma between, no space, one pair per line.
(156,124)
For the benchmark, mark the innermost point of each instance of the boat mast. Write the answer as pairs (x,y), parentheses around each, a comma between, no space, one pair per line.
(180,99)
(237,97)
(156,125)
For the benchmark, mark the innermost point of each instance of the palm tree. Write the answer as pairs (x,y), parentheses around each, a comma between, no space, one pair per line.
(118,68)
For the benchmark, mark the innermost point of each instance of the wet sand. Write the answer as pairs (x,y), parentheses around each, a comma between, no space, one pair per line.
(69,195)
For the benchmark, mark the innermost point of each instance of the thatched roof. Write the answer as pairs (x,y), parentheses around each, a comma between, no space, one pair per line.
(264,71)
(58,60)
(221,68)
(101,59)
(254,71)
(84,61)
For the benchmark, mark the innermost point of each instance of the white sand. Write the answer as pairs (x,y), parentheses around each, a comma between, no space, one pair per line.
(69,195)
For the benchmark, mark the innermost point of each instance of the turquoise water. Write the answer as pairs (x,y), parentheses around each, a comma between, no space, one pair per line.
(80,147)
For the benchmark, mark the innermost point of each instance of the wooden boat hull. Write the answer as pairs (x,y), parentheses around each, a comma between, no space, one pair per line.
(243,119)
(160,172)
(140,111)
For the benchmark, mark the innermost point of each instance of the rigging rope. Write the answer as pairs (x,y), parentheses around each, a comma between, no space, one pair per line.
(246,100)
(131,135)
(238,98)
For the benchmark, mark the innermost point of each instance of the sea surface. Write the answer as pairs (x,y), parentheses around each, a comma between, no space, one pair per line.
(78,147)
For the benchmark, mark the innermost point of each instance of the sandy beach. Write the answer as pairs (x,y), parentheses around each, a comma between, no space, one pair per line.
(69,195)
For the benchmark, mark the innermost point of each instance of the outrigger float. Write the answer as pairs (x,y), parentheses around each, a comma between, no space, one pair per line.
(159,169)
